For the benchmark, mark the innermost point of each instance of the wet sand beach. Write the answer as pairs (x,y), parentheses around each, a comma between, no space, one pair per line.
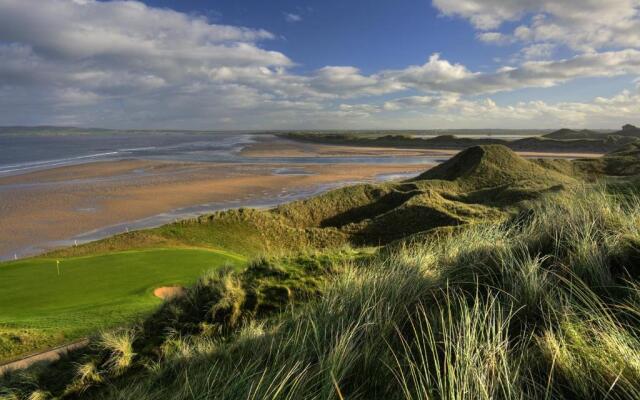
(44,209)
(57,204)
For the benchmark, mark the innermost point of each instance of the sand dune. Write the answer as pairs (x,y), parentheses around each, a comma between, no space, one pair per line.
(57,204)
(40,208)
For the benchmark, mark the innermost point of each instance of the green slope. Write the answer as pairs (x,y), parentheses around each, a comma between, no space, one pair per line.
(38,307)
(515,276)
(541,307)
(479,183)
(493,165)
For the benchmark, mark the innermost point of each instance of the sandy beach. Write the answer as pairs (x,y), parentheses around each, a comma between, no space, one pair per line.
(57,204)
(267,147)
(42,209)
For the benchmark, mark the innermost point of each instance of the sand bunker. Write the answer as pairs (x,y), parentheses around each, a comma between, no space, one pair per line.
(169,292)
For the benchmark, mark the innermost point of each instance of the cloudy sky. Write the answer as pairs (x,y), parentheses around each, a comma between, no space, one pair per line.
(296,64)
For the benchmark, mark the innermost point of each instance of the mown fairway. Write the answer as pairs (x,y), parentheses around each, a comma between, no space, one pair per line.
(39,307)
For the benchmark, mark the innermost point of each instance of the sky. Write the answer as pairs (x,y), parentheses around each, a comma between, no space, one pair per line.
(331,64)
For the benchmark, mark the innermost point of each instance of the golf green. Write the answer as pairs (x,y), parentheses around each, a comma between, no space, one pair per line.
(42,300)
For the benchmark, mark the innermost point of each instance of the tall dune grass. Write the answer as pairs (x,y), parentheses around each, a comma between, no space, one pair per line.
(545,306)
(540,307)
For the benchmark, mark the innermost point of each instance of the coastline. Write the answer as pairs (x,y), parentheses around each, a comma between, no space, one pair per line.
(292,148)
(46,209)
(51,208)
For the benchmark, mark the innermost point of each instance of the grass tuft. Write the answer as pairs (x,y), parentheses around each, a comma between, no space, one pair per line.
(119,345)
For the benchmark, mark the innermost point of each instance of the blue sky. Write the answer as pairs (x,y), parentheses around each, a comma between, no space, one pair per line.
(372,35)
(320,64)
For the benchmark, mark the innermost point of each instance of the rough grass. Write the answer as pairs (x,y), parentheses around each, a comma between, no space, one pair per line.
(502,278)
(545,305)
(249,232)
(218,306)
(519,310)
(483,183)
(492,165)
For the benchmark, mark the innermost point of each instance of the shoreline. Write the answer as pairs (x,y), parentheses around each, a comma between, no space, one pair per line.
(44,210)
(193,211)
(288,148)
(51,208)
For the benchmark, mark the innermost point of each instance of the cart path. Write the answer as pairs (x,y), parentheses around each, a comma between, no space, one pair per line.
(47,356)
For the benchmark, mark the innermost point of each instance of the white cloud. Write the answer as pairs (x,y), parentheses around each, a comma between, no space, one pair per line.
(584,25)
(121,43)
(440,75)
(458,112)
(348,81)
(443,101)
(291,17)
(484,14)
(538,51)
(126,54)
(495,37)
(600,112)
(359,110)
(69,29)
(125,64)
(434,72)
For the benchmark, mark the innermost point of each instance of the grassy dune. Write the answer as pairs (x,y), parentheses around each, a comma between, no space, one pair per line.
(596,142)
(39,307)
(472,187)
(542,306)
(491,277)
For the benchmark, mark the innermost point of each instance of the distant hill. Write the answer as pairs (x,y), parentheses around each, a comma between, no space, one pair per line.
(627,130)
(564,140)
(569,134)
(622,162)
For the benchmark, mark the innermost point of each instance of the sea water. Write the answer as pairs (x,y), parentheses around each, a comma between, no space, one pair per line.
(27,152)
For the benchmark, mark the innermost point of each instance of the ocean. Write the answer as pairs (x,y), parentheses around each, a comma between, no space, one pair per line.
(26,152)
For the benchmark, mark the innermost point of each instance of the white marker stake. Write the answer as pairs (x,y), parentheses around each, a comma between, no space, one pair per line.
(58,266)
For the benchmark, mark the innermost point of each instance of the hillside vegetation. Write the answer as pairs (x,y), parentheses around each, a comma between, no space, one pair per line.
(563,134)
(563,140)
(481,184)
(489,276)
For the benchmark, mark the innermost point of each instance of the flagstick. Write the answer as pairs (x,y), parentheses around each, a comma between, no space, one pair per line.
(58,266)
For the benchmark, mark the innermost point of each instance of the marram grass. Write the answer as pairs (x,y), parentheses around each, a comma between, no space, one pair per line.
(539,307)
(543,306)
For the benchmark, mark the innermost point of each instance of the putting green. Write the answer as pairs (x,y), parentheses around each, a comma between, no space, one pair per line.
(46,304)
